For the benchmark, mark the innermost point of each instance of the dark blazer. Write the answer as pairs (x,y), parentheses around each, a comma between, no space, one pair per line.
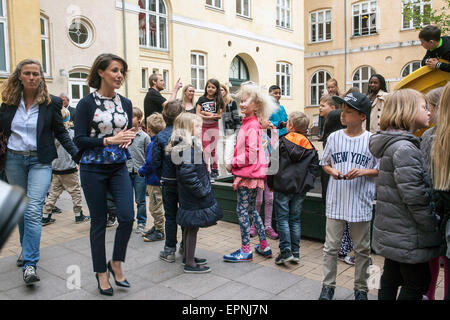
(49,125)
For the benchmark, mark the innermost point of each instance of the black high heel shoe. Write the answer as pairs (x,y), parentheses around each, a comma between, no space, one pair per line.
(123,283)
(106,292)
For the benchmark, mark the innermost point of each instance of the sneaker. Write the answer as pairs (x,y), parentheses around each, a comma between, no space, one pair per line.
(56,210)
(238,256)
(349,260)
(30,276)
(252,231)
(19,262)
(341,257)
(327,293)
(197,269)
(199,261)
(154,236)
(140,228)
(168,256)
(111,222)
(82,218)
(270,233)
(266,253)
(284,256)
(214,174)
(48,220)
(360,295)
(149,232)
(296,258)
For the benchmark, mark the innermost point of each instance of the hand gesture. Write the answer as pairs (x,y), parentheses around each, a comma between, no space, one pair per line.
(432,62)
(124,137)
(178,85)
(337,175)
(355,173)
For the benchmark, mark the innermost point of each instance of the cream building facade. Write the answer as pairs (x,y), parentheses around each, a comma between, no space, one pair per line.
(351,40)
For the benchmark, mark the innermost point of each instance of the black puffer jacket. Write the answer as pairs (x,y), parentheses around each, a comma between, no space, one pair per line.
(198,207)
(405,229)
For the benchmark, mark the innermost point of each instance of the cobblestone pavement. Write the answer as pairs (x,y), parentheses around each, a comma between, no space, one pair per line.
(66,244)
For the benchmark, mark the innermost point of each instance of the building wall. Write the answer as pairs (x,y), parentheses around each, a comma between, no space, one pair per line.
(387,52)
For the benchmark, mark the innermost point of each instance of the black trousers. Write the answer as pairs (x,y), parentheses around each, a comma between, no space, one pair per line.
(96,181)
(170,203)
(414,280)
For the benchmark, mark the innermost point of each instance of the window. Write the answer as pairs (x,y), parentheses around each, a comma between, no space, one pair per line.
(284,78)
(78,87)
(238,72)
(144,78)
(153,24)
(80,32)
(284,13)
(45,46)
(422,7)
(361,78)
(4,45)
(198,70)
(318,85)
(243,8)
(410,68)
(166,79)
(320,25)
(214,3)
(364,18)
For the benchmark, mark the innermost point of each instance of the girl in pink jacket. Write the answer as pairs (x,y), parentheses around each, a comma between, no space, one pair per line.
(249,167)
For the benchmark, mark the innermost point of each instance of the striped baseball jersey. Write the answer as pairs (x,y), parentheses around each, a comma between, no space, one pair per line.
(349,200)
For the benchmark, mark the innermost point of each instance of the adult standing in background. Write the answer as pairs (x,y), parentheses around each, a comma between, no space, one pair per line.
(31,119)
(154,101)
(187,98)
(279,118)
(66,104)
(377,95)
(103,132)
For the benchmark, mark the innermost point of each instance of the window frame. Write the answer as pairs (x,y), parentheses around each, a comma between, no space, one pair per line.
(421,4)
(317,85)
(45,39)
(165,75)
(361,82)
(360,5)
(80,82)
(198,67)
(317,23)
(144,78)
(284,79)
(147,12)
(410,65)
(241,2)
(284,6)
(4,21)
(212,5)
(88,27)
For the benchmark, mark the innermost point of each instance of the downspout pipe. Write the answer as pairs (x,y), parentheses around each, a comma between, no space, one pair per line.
(346,45)
(124,43)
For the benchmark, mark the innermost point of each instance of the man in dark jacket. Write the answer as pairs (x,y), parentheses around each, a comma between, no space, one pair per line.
(437,48)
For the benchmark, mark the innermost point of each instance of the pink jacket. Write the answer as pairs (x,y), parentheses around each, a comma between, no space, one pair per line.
(249,159)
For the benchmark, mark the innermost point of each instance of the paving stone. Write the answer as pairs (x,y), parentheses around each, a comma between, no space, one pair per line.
(232,270)
(8,264)
(78,294)
(308,289)
(269,279)
(158,292)
(159,271)
(4,297)
(52,252)
(195,285)
(236,291)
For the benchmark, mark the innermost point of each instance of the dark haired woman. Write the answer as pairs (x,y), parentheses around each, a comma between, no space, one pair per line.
(377,94)
(103,131)
(31,119)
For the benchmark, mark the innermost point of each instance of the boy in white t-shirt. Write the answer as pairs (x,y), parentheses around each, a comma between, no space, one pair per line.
(351,191)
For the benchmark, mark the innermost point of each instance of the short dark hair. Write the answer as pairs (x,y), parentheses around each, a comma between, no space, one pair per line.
(171,111)
(102,62)
(429,33)
(274,87)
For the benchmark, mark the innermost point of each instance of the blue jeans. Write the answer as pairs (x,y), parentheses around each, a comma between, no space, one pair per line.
(288,207)
(35,179)
(140,188)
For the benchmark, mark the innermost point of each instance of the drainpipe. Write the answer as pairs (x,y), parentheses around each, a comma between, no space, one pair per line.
(345,35)
(124,43)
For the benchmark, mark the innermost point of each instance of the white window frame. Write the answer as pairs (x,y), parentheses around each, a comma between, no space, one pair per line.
(284,78)
(165,75)
(80,83)
(158,16)
(359,83)
(241,3)
(409,66)
(45,41)
(317,86)
(360,5)
(198,67)
(144,78)
(421,5)
(284,14)
(317,23)
(89,29)
(213,4)
(4,21)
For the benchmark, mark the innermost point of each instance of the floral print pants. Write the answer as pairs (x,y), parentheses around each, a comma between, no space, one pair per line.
(246,205)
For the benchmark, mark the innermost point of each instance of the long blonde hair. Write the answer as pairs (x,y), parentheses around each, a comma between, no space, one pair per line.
(183,126)
(227,99)
(266,105)
(183,95)
(13,87)
(65,113)
(400,109)
(440,149)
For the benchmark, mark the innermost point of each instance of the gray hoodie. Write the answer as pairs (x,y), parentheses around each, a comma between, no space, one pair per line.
(405,229)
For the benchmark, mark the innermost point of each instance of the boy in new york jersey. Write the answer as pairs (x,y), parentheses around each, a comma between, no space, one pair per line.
(351,191)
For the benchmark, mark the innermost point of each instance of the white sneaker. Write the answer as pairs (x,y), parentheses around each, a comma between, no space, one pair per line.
(140,228)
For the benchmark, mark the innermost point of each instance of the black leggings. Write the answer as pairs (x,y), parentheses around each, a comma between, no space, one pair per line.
(413,278)
(190,242)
